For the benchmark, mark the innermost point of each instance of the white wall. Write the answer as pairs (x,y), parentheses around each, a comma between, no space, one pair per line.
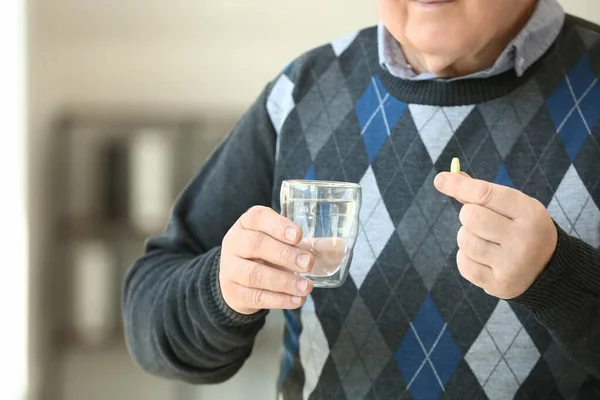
(13,175)
(588,9)
(206,55)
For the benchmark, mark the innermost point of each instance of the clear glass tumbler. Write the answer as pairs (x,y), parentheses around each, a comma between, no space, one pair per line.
(327,213)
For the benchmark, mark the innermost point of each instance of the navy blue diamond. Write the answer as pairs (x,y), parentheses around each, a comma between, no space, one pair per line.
(377,112)
(375,136)
(579,80)
(560,103)
(428,355)
(367,105)
(581,77)
(503,177)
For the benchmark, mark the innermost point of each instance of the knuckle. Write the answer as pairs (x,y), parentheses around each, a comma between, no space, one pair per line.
(484,193)
(252,216)
(246,295)
(252,298)
(258,298)
(255,274)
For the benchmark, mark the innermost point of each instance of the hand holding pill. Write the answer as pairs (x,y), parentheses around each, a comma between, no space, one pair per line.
(507,238)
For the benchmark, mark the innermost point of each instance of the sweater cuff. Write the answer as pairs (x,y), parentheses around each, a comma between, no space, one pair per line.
(572,274)
(221,312)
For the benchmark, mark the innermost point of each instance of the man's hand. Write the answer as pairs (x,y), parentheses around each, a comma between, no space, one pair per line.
(507,238)
(259,258)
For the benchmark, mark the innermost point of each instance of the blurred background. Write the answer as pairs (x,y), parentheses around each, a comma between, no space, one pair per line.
(110,107)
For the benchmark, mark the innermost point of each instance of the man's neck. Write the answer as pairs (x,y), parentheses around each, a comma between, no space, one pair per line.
(451,67)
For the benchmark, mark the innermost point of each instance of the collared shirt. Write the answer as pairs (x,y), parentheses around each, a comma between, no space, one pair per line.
(523,51)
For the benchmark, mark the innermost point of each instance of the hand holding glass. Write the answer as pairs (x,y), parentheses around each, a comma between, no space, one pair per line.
(327,213)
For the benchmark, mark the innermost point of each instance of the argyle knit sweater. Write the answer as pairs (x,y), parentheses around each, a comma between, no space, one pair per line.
(405,325)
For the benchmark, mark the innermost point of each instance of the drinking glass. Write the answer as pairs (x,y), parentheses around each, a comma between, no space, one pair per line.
(327,213)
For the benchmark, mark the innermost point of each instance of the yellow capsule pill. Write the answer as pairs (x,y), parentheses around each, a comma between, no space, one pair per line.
(455,166)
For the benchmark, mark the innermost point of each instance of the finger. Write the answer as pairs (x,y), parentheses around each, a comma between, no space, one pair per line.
(260,299)
(259,245)
(485,223)
(478,274)
(501,199)
(476,248)
(266,220)
(259,276)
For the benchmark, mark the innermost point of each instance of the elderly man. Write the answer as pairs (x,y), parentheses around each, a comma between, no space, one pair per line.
(478,286)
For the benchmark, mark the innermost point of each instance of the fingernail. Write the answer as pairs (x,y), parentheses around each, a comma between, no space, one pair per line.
(290,234)
(439,182)
(302,285)
(297,300)
(303,261)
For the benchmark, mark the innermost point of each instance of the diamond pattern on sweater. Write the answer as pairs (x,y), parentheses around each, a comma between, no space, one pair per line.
(542,139)
(558,215)
(360,352)
(587,162)
(568,375)
(340,45)
(589,38)
(280,102)
(428,355)
(505,130)
(436,125)
(324,108)
(363,258)
(314,349)
(575,118)
(376,227)
(378,112)
(574,210)
(419,229)
(412,229)
(587,226)
(527,101)
(503,355)
(503,177)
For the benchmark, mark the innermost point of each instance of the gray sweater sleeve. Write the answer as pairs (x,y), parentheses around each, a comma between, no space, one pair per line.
(177,324)
(566,300)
